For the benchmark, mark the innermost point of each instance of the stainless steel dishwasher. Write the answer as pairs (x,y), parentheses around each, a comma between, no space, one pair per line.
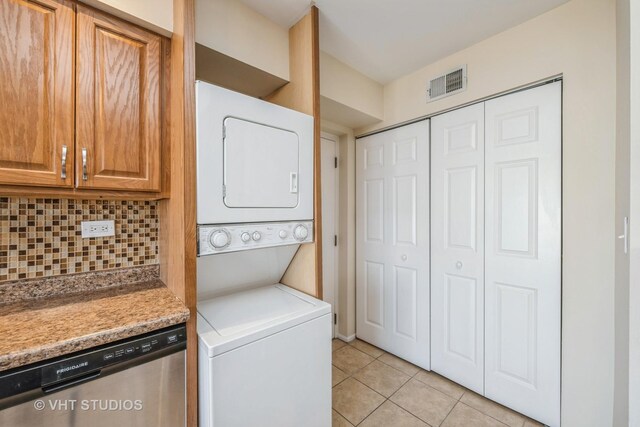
(136,382)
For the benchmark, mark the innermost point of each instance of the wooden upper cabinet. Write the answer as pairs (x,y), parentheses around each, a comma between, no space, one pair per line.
(36,92)
(118,109)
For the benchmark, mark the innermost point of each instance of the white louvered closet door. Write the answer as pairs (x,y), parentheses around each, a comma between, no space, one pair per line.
(457,246)
(392,241)
(523,251)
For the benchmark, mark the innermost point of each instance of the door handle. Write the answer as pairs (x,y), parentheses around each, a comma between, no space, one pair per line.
(459,265)
(293,181)
(63,171)
(84,164)
(625,235)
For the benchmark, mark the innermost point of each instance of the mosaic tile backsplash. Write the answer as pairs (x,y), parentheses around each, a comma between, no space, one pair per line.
(42,237)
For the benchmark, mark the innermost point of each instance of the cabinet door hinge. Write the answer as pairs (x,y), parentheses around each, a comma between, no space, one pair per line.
(335,318)
(335,240)
(335,162)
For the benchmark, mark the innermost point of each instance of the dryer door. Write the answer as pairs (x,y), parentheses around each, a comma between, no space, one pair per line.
(260,165)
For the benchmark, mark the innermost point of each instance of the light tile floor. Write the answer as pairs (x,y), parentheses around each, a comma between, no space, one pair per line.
(374,388)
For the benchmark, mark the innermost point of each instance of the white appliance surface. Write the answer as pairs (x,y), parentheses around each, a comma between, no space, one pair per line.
(264,359)
(223,274)
(254,159)
(248,172)
(236,319)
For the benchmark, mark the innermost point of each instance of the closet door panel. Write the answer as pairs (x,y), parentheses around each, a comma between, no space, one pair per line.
(457,246)
(523,244)
(392,247)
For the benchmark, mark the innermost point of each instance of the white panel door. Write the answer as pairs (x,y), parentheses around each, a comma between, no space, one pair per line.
(392,244)
(457,246)
(523,244)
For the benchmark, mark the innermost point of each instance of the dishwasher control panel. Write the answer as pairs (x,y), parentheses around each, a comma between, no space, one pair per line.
(56,374)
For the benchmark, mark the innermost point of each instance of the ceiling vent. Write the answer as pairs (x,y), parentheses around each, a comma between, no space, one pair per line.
(447,84)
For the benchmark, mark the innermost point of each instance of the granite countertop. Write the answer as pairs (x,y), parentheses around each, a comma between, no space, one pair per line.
(45,318)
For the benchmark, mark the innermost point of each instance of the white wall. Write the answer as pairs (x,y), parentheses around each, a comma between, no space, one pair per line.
(621,384)
(156,15)
(634,292)
(577,40)
(232,28)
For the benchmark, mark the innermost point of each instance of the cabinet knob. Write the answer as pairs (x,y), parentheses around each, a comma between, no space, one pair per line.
(84,164)
(459,265)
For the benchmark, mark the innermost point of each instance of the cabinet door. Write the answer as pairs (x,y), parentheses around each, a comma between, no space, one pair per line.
(36,92)
(118,89)
(457,246)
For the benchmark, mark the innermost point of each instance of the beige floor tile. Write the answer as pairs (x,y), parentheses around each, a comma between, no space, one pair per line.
(441,383)
(493,409)
(338,420)
(337,344)
(465,416)
(365,347)
(389,414)
(382,378)
(427,403)
(350,359)
(532,423)
(399,364)
(337,376)
(354,400)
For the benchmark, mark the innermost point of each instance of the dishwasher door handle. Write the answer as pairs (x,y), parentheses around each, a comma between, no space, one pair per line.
(71,382)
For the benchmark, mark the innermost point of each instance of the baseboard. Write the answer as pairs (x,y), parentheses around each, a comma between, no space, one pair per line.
(346,339)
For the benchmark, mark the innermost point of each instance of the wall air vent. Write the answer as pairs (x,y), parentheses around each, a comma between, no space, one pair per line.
(449,83)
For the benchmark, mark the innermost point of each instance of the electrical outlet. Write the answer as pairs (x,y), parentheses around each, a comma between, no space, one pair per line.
(98,229)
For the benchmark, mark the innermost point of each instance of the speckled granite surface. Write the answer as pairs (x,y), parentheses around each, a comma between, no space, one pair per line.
(18,290)
(84,311)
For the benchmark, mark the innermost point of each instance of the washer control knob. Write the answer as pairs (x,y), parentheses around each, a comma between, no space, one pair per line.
(245,237)
(220,238)
(283,234)
(256,236)
(300,232)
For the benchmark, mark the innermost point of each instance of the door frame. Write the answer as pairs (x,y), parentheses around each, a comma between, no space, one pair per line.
(335,248)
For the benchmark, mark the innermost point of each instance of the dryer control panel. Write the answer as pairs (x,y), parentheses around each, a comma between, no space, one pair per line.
(215,239)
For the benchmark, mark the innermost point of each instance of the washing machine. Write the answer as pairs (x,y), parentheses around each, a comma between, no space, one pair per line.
(264,349)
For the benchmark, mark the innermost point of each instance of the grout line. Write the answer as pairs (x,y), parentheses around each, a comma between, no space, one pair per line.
(487,415)
(458,401)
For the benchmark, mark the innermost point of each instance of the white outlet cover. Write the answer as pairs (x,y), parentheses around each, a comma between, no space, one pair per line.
(98,229)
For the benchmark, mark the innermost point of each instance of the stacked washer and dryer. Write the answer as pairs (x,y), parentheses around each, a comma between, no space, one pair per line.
(264,348)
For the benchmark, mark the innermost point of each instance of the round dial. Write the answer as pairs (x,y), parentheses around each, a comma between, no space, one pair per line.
(220,239)
(300,232)
(256,236)
(282,234)
(245,237)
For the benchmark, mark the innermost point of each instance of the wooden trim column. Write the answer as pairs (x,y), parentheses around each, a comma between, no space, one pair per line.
(178,212)
(302,93)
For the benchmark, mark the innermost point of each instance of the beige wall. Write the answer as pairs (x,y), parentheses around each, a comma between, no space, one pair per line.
(577,40)
(234,29)
(359,98)
(156,15)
